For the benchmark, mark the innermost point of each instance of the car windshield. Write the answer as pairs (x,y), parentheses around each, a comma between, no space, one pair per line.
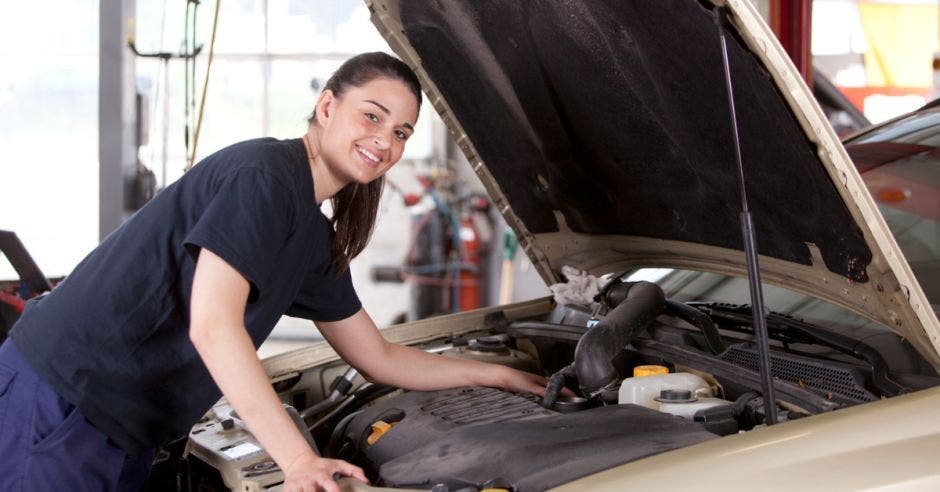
(900,164)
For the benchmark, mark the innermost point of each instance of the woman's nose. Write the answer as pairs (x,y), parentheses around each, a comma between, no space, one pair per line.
(381,140)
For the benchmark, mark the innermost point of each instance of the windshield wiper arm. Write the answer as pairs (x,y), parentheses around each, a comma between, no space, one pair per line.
(814,334)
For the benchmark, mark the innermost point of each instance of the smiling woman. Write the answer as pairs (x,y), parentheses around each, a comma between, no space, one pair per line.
(196,280)
(375,134)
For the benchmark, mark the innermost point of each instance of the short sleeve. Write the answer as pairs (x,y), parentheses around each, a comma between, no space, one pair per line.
(326,298)
(246,223)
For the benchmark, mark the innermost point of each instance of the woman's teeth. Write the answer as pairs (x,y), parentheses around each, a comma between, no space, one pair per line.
(369,155)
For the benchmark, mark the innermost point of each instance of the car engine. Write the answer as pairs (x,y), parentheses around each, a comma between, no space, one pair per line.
(651,375)
(483,437)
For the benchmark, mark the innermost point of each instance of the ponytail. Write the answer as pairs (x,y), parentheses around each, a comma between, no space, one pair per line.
(355,208)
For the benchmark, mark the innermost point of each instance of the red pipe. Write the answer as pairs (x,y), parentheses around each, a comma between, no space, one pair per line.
(792,22)
(14,301)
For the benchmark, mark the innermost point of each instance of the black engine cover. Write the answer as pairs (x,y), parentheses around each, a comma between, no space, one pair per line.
(486,437)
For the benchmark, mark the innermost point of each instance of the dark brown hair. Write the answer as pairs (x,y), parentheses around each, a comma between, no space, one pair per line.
(356,206)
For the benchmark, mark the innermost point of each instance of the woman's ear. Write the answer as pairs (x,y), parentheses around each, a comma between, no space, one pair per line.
(325,105)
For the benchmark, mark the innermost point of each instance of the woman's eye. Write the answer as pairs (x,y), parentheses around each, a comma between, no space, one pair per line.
(372,117)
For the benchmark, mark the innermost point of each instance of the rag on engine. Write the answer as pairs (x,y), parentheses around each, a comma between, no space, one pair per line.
(484,437)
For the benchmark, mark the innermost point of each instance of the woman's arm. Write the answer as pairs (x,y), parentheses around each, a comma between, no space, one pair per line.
(357,340)
(217,329)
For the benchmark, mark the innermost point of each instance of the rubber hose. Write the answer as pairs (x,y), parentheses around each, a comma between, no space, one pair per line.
(593,357)
(337,435)
(555,384)
(746,418)
(571,333)
(700,320)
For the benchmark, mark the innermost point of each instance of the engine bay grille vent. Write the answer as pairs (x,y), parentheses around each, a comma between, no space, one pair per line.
(484,405)
(837,383)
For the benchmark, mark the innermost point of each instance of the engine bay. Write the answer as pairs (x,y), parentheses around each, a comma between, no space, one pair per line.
(484,438)
(651,375)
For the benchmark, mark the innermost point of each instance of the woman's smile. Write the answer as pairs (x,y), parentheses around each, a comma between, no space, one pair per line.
(371,158)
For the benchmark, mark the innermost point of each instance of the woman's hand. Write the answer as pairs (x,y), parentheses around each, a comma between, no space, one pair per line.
(357,340)
(314,474)
(522,382)
(518,381)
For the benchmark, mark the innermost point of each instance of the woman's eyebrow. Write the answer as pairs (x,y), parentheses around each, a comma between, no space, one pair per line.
(386,111)
(383,108)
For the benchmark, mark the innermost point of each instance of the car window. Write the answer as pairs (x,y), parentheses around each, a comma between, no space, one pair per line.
(900,164)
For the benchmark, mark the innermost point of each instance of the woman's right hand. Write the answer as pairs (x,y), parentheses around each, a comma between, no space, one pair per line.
(315,474)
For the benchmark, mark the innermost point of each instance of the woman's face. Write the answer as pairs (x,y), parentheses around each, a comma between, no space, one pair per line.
(363,133)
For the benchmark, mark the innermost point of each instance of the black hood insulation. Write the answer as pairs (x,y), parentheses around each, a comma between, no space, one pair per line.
(615,114)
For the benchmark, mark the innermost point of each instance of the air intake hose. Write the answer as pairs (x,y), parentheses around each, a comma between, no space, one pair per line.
(593,366)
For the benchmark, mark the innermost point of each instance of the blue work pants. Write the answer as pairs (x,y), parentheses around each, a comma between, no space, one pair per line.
(46,443)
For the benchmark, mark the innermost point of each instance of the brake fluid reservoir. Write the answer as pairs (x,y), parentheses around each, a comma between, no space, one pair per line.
(643,390)
(683,403)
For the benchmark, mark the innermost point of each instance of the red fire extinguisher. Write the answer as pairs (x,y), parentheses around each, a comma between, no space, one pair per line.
(470,266)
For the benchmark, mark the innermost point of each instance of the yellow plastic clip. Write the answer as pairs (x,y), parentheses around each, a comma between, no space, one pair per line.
(379,428)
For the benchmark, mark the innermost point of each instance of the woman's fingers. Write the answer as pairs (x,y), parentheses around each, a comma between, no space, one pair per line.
(567,392)
(328,485)
(524,382)
(317,475)
(353,471)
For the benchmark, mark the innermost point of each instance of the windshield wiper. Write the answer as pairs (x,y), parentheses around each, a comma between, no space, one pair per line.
(783,327)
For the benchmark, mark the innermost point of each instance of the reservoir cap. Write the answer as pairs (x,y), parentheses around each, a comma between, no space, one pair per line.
(675,396)
(650,370)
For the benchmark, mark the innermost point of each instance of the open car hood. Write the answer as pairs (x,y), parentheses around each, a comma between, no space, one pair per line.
(602,132)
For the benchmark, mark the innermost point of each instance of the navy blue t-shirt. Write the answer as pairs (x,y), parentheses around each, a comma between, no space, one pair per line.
(113,337)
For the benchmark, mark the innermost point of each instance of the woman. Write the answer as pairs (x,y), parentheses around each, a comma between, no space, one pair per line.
(134,346)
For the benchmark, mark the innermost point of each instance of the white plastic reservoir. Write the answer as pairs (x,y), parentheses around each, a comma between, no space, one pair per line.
(643,390)
(687,410)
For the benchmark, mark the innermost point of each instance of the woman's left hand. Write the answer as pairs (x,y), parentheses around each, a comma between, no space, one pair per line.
(522,382)
(518,381)
(357,340)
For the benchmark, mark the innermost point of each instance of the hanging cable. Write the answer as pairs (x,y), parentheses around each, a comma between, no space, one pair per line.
(188,51)
(205,86)
(161,95)
(192,67)
(186,61)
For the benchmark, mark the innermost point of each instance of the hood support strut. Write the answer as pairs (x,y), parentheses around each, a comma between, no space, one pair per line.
(750,242)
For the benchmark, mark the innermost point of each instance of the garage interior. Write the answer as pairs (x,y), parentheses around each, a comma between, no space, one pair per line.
(121,78)
(110,102)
